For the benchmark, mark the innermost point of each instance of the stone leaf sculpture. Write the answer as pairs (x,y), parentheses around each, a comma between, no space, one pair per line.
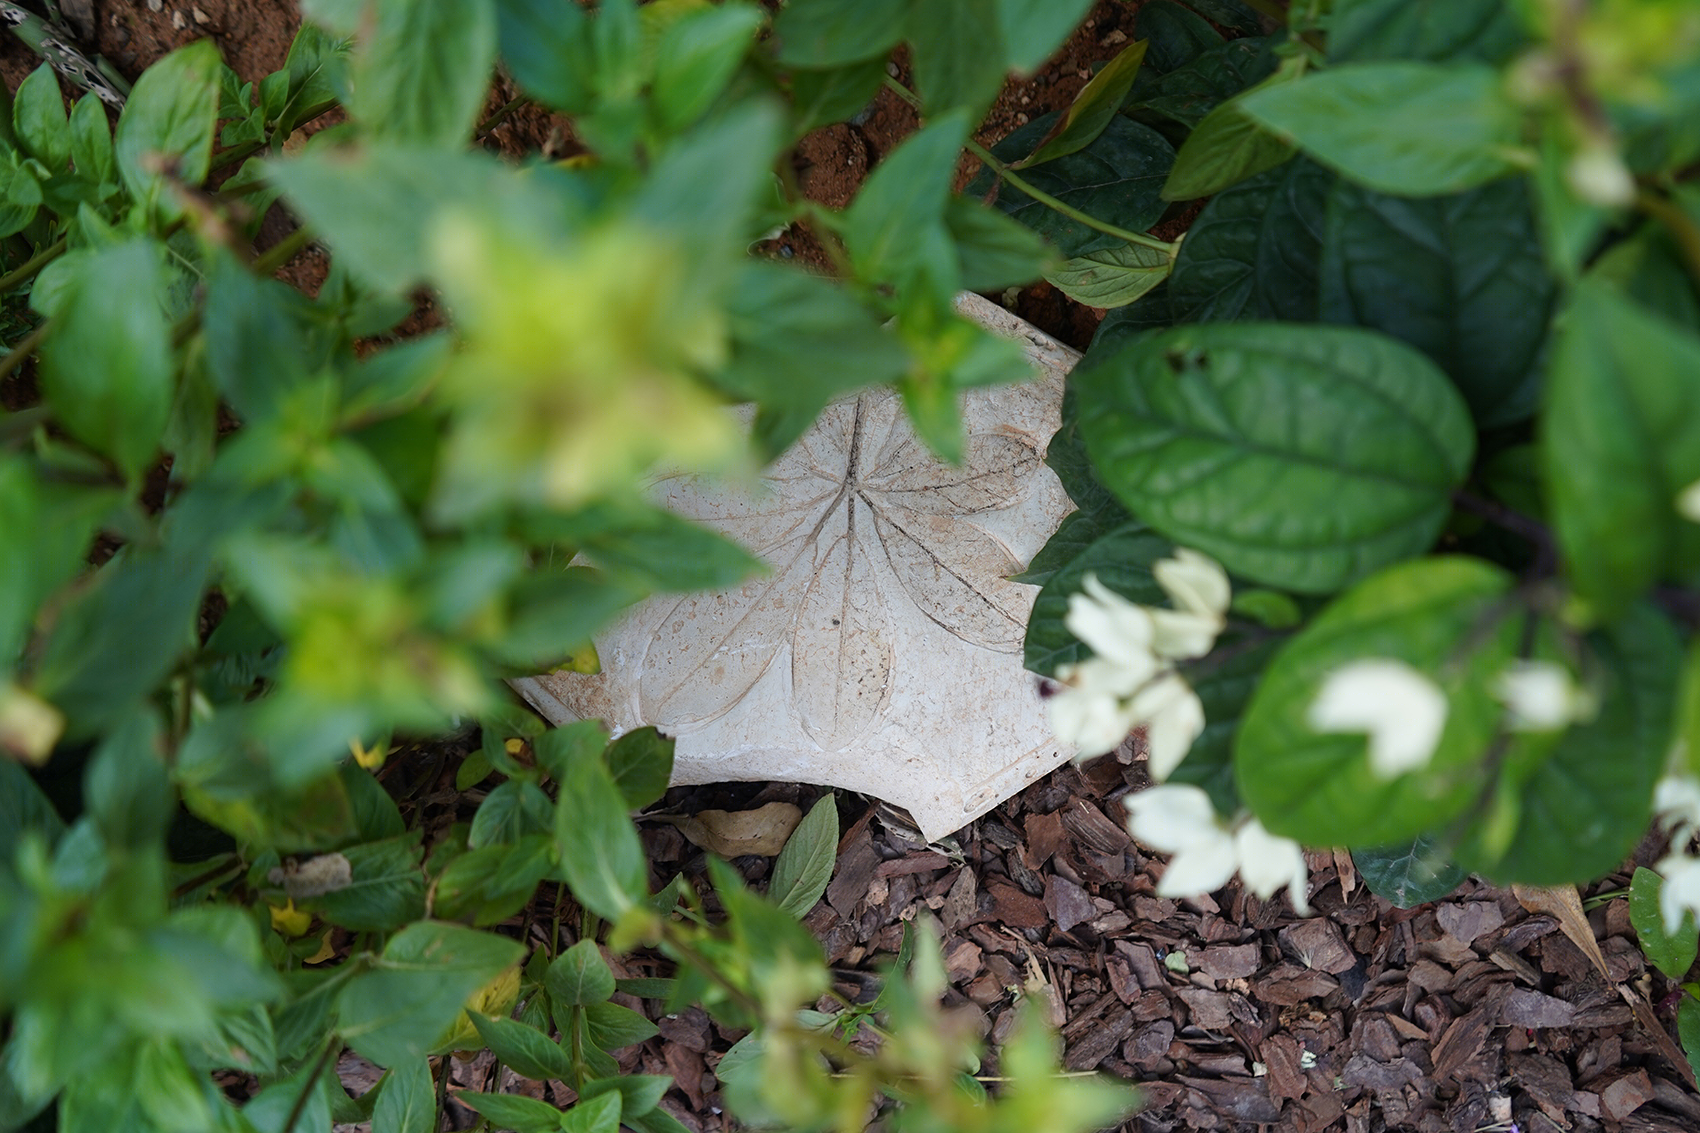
(882,651)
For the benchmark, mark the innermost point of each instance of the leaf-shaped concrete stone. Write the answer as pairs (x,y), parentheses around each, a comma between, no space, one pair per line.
(882,653)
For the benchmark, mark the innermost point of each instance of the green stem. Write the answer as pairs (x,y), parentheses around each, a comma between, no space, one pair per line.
(282,252)
(501,115)
(1002,170)
(1678,223)
(308,1085)
(25,347)
(35,263)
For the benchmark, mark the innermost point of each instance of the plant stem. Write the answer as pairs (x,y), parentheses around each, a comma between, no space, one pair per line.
(1678,223)
(1002,170)
(34,264)
(25,347)
(279,254)
(1498,514)
(501,115)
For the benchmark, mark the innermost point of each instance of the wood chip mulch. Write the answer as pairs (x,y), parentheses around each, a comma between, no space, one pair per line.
(1470,1015)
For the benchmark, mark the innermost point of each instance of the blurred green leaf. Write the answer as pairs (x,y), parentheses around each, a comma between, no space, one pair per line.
(600,853)
(420,75)
(903,200)
(830,33)
(641,762)
(1033,29)
(959,54)
(1432,30)
(696,57)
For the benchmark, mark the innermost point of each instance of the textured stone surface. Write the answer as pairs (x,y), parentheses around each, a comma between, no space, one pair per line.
(882,653)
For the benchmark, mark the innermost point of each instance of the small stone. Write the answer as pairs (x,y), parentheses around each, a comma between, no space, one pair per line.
(156,5)
(1115,37)
(177,20)
(200,16)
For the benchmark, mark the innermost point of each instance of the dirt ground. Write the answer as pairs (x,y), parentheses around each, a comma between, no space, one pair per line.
(1473,1014)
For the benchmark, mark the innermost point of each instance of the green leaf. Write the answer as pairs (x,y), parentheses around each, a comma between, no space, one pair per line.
(1177,36)
(547,48)
(408,1102)
(1253,252)
(510,812)
(106,368)
(1189,94)
(821,97)
(804,866)
(1460,278)
(1229,14)
(553,612)
(600,852)
(1432,30)
(1299,457)
(1066,454)
(599,1114)
(1410,873)
(1093,107)
(1112,277)
(661,550)
(1648,269)
(514,1111)
(1671,953)
(1688,1029)
(1445,617)
(256,348)
(1417,129)
(580,976)
(1224,685)
(797,342)
(1121,558)
(958,52)
(641,762)
(526,1051)
(420,76)
(38,119)
(1225,148)
(611,1027)
(696,57)
(168,122)
(395,1011)
(1619,442)
(1078,531)
(558,749)
(1034,29)
(1117,179)
(903,200)
(1572,807)
(387,891)
(24,808)
(126,788)
(831,33)
(490,884)
(994,252)
(314,73)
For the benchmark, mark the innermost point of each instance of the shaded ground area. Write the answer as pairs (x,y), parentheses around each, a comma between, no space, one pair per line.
(1472,1014)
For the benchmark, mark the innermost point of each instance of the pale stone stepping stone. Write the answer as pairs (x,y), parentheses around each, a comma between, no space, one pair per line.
(882,653)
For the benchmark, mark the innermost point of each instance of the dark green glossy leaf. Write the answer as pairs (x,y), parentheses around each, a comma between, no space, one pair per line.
(1461,278)
(580,976)
(804,866)
(1253,252)
(1117,179)
(1671,953)
(1445,617)
(1431,30)
(1122,561)
(403,1004)
(1177,35)
(1299,457)
(1619,442)
(1419,129)
(1189,93)
(1225,148)
(1078,531)
(1410,873)
(1688,1029)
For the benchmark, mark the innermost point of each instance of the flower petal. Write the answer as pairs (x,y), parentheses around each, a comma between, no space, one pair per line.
(1195,583)
(1680,892)
(1179,636)
(1173,717)
(1268,862)
(1401,710)
(1541,696)
(1172,817)
(1109,624)
(1202,867)
(1094,722)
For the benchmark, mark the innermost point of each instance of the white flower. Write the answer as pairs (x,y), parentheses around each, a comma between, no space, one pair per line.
(1680,891)
(1180,820)
(1198,587)
(1688,502)
(1541,697)
(1173,717)
(1597,175)
(1113,627)
(1676,800)
(1402,711)
(1091,711)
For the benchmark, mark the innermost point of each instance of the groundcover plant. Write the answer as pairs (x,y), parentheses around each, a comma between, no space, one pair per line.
(1414,578)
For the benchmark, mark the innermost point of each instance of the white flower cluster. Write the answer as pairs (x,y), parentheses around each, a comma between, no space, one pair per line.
(1677,803)
(1131,680)
(1180,820)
